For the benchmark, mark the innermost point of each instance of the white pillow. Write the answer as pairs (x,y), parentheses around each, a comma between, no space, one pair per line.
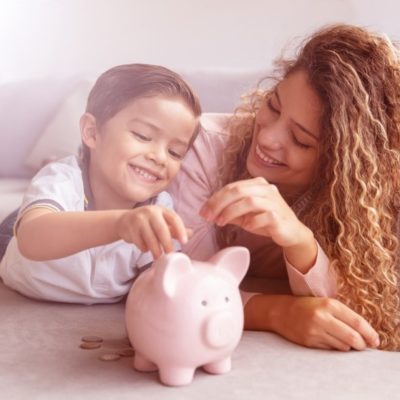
(61,137)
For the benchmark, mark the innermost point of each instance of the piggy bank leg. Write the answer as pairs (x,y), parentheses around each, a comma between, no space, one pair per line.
(176,376)
(218,367)
(141,363)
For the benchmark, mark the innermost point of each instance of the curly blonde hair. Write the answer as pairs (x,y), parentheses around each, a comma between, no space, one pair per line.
(354,204)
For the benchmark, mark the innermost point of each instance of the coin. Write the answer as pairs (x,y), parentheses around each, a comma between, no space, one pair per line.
(128,352)
(92,338)
(90,345)
(109,357)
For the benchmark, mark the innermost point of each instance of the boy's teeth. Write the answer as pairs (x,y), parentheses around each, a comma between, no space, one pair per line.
(265,158)
(145,174)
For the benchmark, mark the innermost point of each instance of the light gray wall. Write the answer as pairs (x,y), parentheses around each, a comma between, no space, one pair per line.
(47,37)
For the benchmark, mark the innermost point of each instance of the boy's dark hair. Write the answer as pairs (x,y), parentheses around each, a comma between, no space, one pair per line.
(120,85)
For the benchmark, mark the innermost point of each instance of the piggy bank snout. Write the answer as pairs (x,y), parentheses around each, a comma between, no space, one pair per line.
(221,329)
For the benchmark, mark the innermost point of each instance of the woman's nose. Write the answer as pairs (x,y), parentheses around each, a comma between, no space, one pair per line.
(272,136)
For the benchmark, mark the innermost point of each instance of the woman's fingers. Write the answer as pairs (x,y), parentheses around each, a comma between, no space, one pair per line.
(233,192)
(348,327)
(346,335)
(326,323)
(330,342)
(241,208)
(357,323)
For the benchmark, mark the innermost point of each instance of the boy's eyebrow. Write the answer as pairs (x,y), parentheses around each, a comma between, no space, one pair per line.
(144,121)
(305,130)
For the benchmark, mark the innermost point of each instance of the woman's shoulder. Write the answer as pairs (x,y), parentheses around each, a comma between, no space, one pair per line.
(212,137)
(205,155)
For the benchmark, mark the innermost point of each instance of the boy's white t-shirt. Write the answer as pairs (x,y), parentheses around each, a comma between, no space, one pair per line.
(103,274)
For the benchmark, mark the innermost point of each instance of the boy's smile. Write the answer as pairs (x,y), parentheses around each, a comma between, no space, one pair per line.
(136,153)
(145,174)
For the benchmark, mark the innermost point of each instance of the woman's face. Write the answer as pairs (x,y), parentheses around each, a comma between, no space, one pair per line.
(285,144)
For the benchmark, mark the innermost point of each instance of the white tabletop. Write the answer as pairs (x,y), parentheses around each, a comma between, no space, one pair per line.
(40,358)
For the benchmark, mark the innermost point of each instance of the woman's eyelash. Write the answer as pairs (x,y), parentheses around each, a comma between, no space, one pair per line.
(300,144)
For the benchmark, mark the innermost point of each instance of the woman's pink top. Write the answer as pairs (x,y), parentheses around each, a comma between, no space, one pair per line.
(196,181)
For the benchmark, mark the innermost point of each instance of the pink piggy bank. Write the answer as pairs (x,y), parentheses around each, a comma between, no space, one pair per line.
(182,314)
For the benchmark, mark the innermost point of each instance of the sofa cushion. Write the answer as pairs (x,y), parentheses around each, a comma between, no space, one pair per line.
(25,109)
(61,136)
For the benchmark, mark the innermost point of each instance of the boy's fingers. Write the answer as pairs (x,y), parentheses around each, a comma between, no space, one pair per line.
(176,226)
(162,234)
(189,232)
(139,242)
(151,241)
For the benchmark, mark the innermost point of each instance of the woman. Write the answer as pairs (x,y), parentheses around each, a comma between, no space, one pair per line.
(310,167)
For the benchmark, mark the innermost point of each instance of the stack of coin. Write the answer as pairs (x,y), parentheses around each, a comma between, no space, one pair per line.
(91,342)
(127,352)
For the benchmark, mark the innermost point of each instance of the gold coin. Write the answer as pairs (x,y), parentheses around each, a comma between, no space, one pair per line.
(90,345)
(128,352)
(92,338)
(109,357)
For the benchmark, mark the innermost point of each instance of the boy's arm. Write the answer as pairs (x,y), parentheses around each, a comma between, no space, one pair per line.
(43,234)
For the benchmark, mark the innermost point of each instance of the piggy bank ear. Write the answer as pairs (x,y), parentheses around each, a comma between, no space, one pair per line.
(235,260)
(169,269)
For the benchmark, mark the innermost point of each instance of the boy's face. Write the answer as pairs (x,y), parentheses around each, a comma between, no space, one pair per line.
(136,153)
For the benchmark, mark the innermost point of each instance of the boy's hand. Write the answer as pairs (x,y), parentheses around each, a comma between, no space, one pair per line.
(152,228)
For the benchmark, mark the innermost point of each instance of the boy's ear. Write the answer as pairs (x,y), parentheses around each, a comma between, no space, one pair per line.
(88,130)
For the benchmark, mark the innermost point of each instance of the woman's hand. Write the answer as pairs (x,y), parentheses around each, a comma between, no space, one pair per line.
(313,322)
(152,228)
(258,207)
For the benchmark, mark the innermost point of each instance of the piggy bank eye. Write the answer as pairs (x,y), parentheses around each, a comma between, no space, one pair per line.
(204,303)
(226,299)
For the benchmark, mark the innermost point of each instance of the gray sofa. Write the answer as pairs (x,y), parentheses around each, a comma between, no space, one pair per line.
(40,354)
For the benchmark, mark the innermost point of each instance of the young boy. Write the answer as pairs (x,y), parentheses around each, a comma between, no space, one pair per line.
(86,226)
